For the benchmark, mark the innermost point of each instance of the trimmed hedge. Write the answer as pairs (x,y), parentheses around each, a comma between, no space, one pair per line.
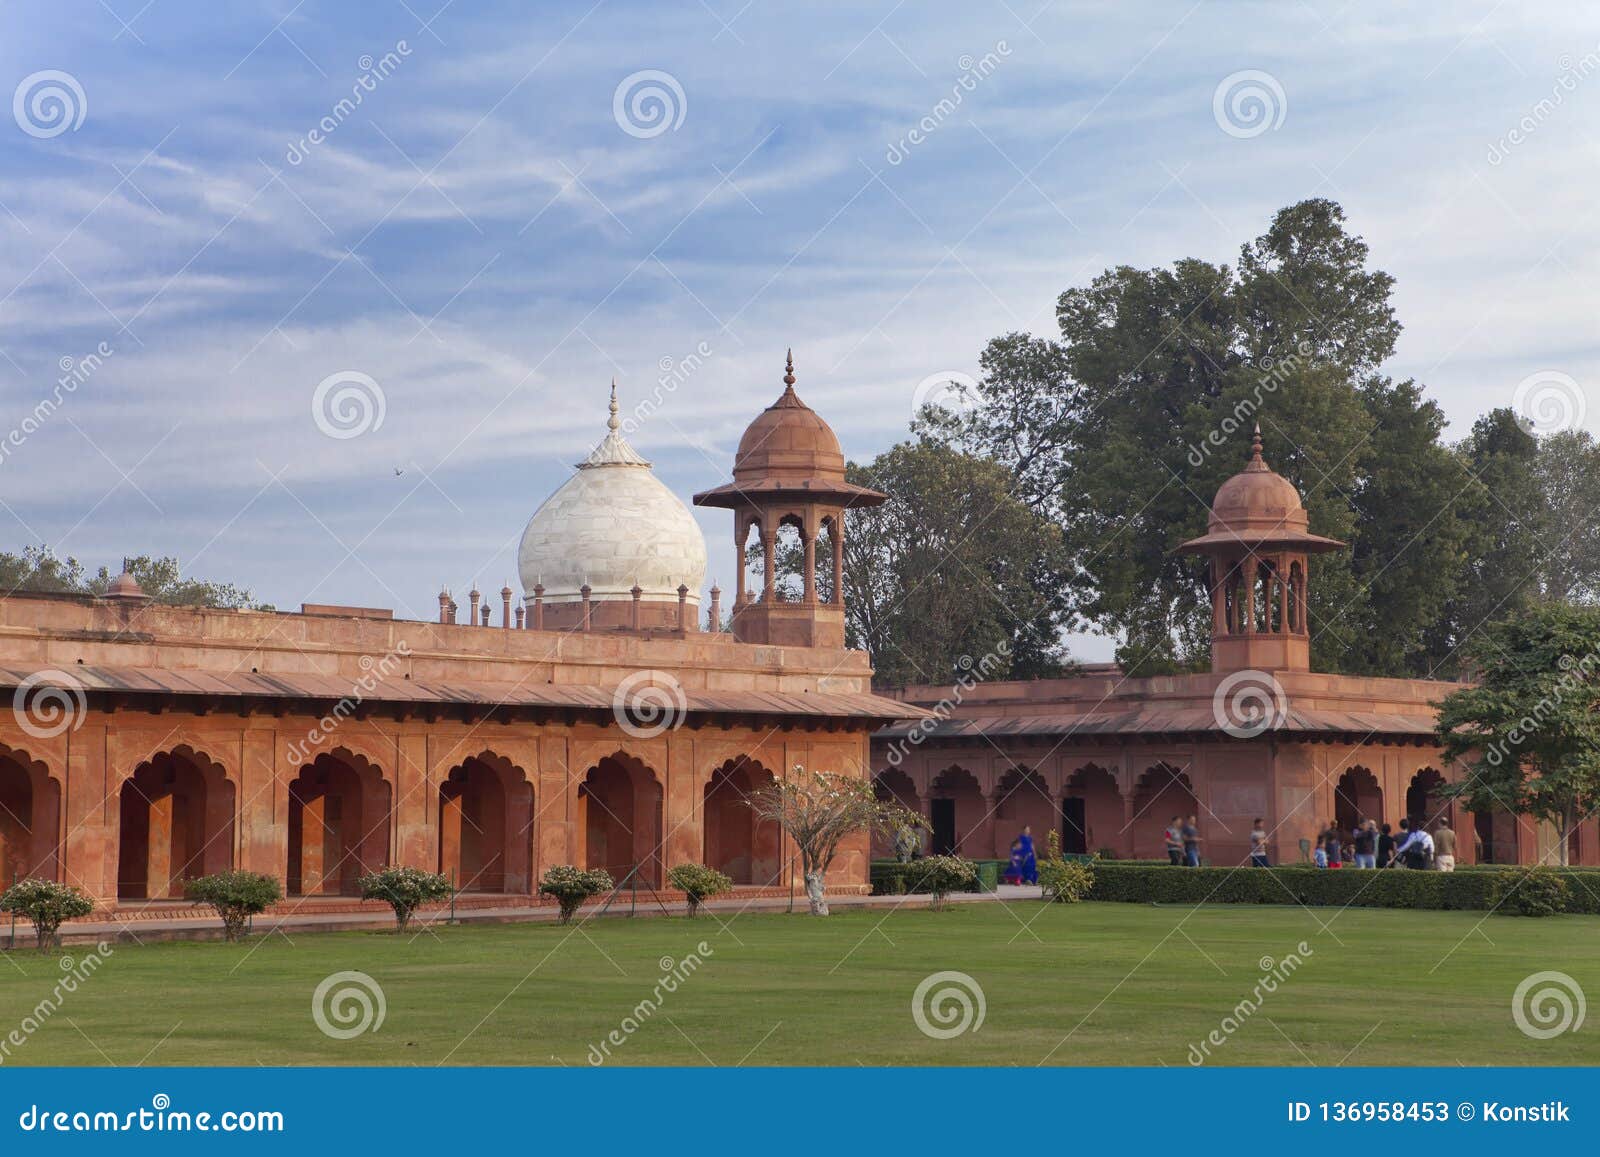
(1385,888)
(892,878)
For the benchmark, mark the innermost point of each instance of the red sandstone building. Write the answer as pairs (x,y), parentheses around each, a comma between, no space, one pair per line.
(595,724)
(1107,760)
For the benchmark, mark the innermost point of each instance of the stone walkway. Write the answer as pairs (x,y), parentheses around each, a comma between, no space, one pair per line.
(146,929)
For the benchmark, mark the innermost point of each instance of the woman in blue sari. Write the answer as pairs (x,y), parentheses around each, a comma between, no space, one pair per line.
(1023,860)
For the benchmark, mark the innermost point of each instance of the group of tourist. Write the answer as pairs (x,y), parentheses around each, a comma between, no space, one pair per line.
(1373,845)
(1367,845)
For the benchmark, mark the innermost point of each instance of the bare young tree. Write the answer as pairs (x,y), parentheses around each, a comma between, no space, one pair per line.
(818,810)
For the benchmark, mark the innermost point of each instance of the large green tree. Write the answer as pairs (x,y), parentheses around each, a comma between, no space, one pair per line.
(1123,428)
(953,568)
(1529,730)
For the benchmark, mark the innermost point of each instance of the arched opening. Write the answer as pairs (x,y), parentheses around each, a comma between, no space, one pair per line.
(1297,598)
(1357,797)
(30,810)
(894,786)
(176,824)
(752,564)
(957,811)
(1424,804)
(1162,792)
(1023,800)
(1091,811)
(1233,613)
(789,560)
(745,848)
(486,825)
(338,825)
(619,813)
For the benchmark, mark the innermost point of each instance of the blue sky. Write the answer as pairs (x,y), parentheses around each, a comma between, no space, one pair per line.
(484,239)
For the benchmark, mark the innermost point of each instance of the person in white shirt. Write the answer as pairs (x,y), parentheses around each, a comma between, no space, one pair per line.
(1416,850)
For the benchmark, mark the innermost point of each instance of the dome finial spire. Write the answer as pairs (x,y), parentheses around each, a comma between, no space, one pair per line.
(613,423)
(788,370)
(1255,448)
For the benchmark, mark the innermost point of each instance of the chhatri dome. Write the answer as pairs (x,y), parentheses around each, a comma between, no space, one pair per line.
(612,526)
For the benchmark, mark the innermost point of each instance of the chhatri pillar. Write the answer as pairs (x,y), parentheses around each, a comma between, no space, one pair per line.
(789,471)
(1258,543)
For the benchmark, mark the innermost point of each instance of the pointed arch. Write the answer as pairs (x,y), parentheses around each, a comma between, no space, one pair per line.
(957,811)
(339,817)
(176,823)
(30,818)
(1091,810)
(1162,791)
(620,817)
(895,786)
(1023,800)
(1356,797)
(747,849)
(486,825)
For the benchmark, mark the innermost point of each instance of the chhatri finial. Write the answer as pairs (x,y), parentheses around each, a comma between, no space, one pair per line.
(1255,445)
(788,370)
(613,423)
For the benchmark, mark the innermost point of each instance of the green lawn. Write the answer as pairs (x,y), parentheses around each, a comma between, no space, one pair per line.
(1102,984)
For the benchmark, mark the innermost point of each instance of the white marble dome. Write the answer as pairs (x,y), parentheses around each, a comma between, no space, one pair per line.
(611,525)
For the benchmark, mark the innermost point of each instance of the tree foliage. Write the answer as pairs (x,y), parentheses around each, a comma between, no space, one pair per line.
(405,890)
(698,884)
(38,568)
(1529,730)
(572,886)
(955,566)
(819,810)
(1122,430)
(47,904)
(237,895)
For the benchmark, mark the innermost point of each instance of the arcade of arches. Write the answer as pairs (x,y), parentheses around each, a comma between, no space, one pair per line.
(1118,802)
(493,820)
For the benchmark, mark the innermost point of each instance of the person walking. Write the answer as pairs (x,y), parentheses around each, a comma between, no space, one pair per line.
(1173,838)
(1366,845)
(1258,845)
(1385,846)
(1444,847)
(1416,850)
(1333,842)
(1191,843)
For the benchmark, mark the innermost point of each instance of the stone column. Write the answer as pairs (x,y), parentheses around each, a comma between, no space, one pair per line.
(837,538)
(810,567)
(769,564)
(1125,844)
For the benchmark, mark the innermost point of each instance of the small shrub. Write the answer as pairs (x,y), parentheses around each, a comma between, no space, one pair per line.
(236,895)
(405,890)
(47,904)
(698,883)
(572,886)
(941,875)
(1530,892)
(1066,881)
